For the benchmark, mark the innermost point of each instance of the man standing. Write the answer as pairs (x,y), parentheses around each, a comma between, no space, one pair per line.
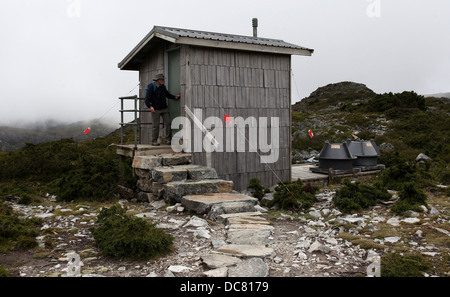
(155,99)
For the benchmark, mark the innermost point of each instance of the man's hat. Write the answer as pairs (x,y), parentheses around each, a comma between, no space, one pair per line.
(158,77)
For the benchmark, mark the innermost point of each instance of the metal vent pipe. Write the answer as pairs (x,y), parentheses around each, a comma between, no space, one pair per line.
(255,27)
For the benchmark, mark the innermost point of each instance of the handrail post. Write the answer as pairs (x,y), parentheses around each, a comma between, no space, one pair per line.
(121,121)
(135,121)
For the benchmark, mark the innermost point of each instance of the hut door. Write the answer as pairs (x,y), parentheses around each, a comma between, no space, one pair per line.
(173,70)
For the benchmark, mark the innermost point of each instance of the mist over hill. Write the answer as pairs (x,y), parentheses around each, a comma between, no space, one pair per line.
(16,136)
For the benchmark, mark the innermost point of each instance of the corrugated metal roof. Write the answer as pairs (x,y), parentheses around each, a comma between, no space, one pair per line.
(227,37)
(210,38)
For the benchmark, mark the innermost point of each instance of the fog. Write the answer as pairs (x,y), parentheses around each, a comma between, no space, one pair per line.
(59,57)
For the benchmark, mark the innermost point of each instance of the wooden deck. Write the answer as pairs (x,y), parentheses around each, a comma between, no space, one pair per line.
(304,173)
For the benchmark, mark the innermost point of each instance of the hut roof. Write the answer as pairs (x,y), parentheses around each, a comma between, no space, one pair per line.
(209,39)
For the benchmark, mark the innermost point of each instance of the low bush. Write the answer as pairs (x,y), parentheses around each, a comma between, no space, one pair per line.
(122,236)
(292,196)
(16,233)
(357,196)
(259,190)
(410,199)
(395,265)
(3,271)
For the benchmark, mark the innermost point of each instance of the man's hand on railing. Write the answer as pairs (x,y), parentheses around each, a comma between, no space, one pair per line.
(152,109)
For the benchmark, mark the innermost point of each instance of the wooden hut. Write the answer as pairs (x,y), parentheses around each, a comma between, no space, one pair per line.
(242,76)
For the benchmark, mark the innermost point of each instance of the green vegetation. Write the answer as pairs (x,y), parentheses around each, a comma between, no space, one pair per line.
(294,196)
(3,271)
(16,233)
(410,199)
(357,196)
(259,190)
(126,237)
(87,170)
(395,104)
(395,265)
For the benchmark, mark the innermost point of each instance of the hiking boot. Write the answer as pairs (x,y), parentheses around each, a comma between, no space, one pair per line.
(155,144)
(166,142)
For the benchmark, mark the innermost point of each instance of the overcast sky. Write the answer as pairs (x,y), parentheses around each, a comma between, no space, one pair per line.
(58,58)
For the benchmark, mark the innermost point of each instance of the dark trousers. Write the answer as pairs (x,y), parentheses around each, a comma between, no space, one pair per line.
(156,120)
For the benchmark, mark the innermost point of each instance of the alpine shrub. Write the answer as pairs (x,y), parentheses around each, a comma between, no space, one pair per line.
(395,265)
(410,199)
(357,196)
(14,232)
(291,196)
(259,190)
(125,237)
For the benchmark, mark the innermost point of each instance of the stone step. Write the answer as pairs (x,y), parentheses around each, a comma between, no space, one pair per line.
(168,174)
(254,267)
(245,251)
(175,191)
(204,203)
(248,220)
(224,217)
(151,162)
(258,237)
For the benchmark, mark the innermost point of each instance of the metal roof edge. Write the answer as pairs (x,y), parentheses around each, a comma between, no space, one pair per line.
(161,32)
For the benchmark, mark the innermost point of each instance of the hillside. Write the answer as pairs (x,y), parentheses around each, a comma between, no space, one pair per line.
(333,96)
(408,122)
(12,138)
(440,95)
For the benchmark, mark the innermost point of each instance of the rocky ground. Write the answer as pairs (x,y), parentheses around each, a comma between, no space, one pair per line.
(322,242)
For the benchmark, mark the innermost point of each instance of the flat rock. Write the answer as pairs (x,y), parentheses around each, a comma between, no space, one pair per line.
(250,227)
(411,220)
(248,220)
(178,269)
(392,239)
(144,215)
(224,217)
(254,267)
(245,250)
(394,222)
(202,204)
(318,247)
(219,272)
(219,261)
(197,222)
(231,207)
(43,215)
(249,237)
